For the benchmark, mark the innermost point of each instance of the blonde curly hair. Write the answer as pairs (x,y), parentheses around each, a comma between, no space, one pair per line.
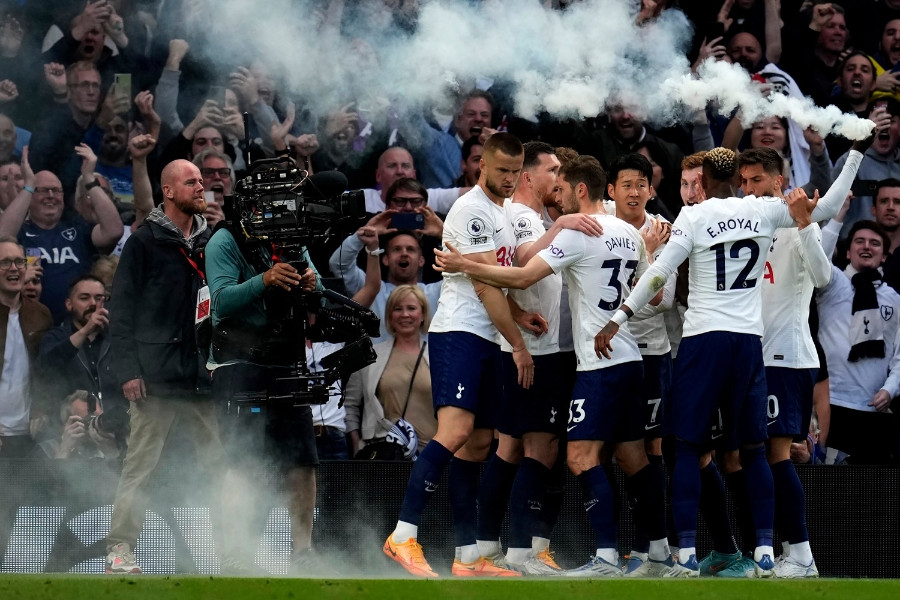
(721,164)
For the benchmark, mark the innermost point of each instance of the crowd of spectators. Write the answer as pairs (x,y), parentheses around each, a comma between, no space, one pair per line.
(97,97)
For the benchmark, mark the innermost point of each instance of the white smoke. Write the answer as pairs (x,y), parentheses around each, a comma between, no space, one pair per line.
(572,63)
(729,87)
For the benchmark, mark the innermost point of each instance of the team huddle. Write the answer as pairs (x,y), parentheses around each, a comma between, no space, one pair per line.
(582,333)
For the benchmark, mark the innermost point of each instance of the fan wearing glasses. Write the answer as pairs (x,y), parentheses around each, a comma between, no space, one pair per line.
(23,323)
(404,246)
(67,243)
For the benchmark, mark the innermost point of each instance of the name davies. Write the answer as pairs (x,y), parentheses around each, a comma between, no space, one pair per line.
(732,224)
(620,242)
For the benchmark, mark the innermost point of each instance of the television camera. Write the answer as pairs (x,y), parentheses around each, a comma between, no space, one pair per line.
(277,211)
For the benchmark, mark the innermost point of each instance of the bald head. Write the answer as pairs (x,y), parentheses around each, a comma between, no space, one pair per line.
(173,170)
(393,164)
(182,186)
(745,50)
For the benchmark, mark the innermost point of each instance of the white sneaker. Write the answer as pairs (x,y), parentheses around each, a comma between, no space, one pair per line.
(120,560)
(789,568)
(535,567)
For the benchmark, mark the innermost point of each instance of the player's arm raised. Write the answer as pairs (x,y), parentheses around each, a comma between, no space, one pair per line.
(810,248)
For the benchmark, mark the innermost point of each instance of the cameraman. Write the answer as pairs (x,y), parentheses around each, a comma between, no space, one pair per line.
(246,284)
(74,355)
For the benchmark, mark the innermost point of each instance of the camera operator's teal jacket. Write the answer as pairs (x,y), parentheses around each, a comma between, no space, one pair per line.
(236,288)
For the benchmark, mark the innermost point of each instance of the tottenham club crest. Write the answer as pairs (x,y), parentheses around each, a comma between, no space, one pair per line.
(477,231)
(887,312)
(69,234)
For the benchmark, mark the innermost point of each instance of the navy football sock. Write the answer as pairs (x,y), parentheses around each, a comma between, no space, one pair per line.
(686,494)
(646,488)
(462,488)
(493,497)
(790,502)
(526,502)
(423,480)
(737,483)
(599,505)
(553,499)
(715,510)
(760,493)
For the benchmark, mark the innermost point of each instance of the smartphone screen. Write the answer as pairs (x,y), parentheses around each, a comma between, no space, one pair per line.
(123,84)
(408,221)
(32,256)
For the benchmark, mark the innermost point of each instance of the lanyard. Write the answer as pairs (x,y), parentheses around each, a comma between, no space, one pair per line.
(194,264)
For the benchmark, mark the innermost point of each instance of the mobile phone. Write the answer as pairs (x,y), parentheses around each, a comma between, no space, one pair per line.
(408,221)
(864,187)
(32,256)
(217,94)
(122,82)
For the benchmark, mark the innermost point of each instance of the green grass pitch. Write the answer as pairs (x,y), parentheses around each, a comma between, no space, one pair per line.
(155,587)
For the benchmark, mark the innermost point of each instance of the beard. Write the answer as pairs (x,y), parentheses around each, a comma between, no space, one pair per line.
(495,189)
(190,206)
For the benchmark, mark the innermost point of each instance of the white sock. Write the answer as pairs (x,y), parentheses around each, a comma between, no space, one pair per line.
(403,531)
(802,553)
(684,554)
(610,555)
(762,551)
(659,549)
(469,553)
(518,556)
(539,544)
(488,547)
(785,549)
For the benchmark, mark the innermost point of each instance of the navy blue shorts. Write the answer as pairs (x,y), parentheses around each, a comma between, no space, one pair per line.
(608,404)
(790,401)
(540,408)
(657,384)
(466,372)
(719,375)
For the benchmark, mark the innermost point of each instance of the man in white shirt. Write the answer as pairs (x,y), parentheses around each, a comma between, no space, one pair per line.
(465,366)
(796,264)
(531,421)
(23,322)
(629,187)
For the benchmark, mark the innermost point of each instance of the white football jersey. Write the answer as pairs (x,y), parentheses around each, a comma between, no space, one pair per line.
(543,296)
(728,240)
(565,315)
(474,224)
(787,288)
(600,272)
(651,333)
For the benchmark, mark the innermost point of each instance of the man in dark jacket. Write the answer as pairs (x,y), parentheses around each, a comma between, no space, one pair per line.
(156,294)
(74,355)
